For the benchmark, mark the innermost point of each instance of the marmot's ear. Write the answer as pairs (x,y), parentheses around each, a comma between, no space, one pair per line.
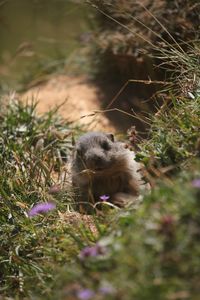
(110,136)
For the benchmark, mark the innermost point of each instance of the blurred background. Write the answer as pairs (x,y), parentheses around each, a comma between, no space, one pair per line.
(103,45)
(40,37)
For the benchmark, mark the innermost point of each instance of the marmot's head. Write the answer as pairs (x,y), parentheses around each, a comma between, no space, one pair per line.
(95,151)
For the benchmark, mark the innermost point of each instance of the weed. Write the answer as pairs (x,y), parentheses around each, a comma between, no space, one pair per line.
(33,154)
(151,253)
(174,134)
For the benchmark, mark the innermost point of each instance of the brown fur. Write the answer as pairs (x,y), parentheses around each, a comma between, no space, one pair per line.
(102,166)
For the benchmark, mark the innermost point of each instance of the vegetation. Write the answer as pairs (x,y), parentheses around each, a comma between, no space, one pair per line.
(174,134)
(151,253)
(47,45)
(140,41)
(32,153)
(130,31)
(50,251)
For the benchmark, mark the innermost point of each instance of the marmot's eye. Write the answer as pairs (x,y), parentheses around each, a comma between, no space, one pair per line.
(105,146)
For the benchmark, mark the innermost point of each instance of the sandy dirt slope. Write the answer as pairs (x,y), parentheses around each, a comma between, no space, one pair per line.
(80,99)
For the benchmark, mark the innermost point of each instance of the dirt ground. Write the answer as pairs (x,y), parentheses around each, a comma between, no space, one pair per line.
(79,98)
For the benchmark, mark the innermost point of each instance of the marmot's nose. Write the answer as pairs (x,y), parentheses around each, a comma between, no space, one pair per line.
(95,159)
(98,159)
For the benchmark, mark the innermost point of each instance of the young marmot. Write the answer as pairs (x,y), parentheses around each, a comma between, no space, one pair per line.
(102,166)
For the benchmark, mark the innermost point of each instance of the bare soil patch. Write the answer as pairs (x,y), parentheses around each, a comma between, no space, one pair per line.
(79,99)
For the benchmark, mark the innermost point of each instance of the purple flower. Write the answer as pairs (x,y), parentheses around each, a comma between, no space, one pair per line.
(196,183)
(91,251)
(85,294)
(104,197)
(41,208)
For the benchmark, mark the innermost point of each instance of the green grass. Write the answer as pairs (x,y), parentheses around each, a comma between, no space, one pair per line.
(33,153)
(174,134)
(151,253)
(148,253)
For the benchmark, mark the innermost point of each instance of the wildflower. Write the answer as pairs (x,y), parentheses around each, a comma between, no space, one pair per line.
(104,197)
(41,208)
(85,294)
(196,183)
(91,251)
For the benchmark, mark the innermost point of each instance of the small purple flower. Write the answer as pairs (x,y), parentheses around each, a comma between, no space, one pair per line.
(104,197)
(41,208)
(196,183)
(85,294)
(91,251)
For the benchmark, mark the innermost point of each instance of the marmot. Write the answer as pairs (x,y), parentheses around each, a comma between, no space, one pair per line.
(103,166)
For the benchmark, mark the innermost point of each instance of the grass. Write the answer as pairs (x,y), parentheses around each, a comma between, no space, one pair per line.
(151,252)
(33,155)
(174,134)
(146,253)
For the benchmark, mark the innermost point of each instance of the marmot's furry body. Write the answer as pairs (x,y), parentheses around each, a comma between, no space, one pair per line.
(102,166)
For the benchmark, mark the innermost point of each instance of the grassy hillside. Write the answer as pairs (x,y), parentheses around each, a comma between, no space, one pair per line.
(148,253)
(50,251)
